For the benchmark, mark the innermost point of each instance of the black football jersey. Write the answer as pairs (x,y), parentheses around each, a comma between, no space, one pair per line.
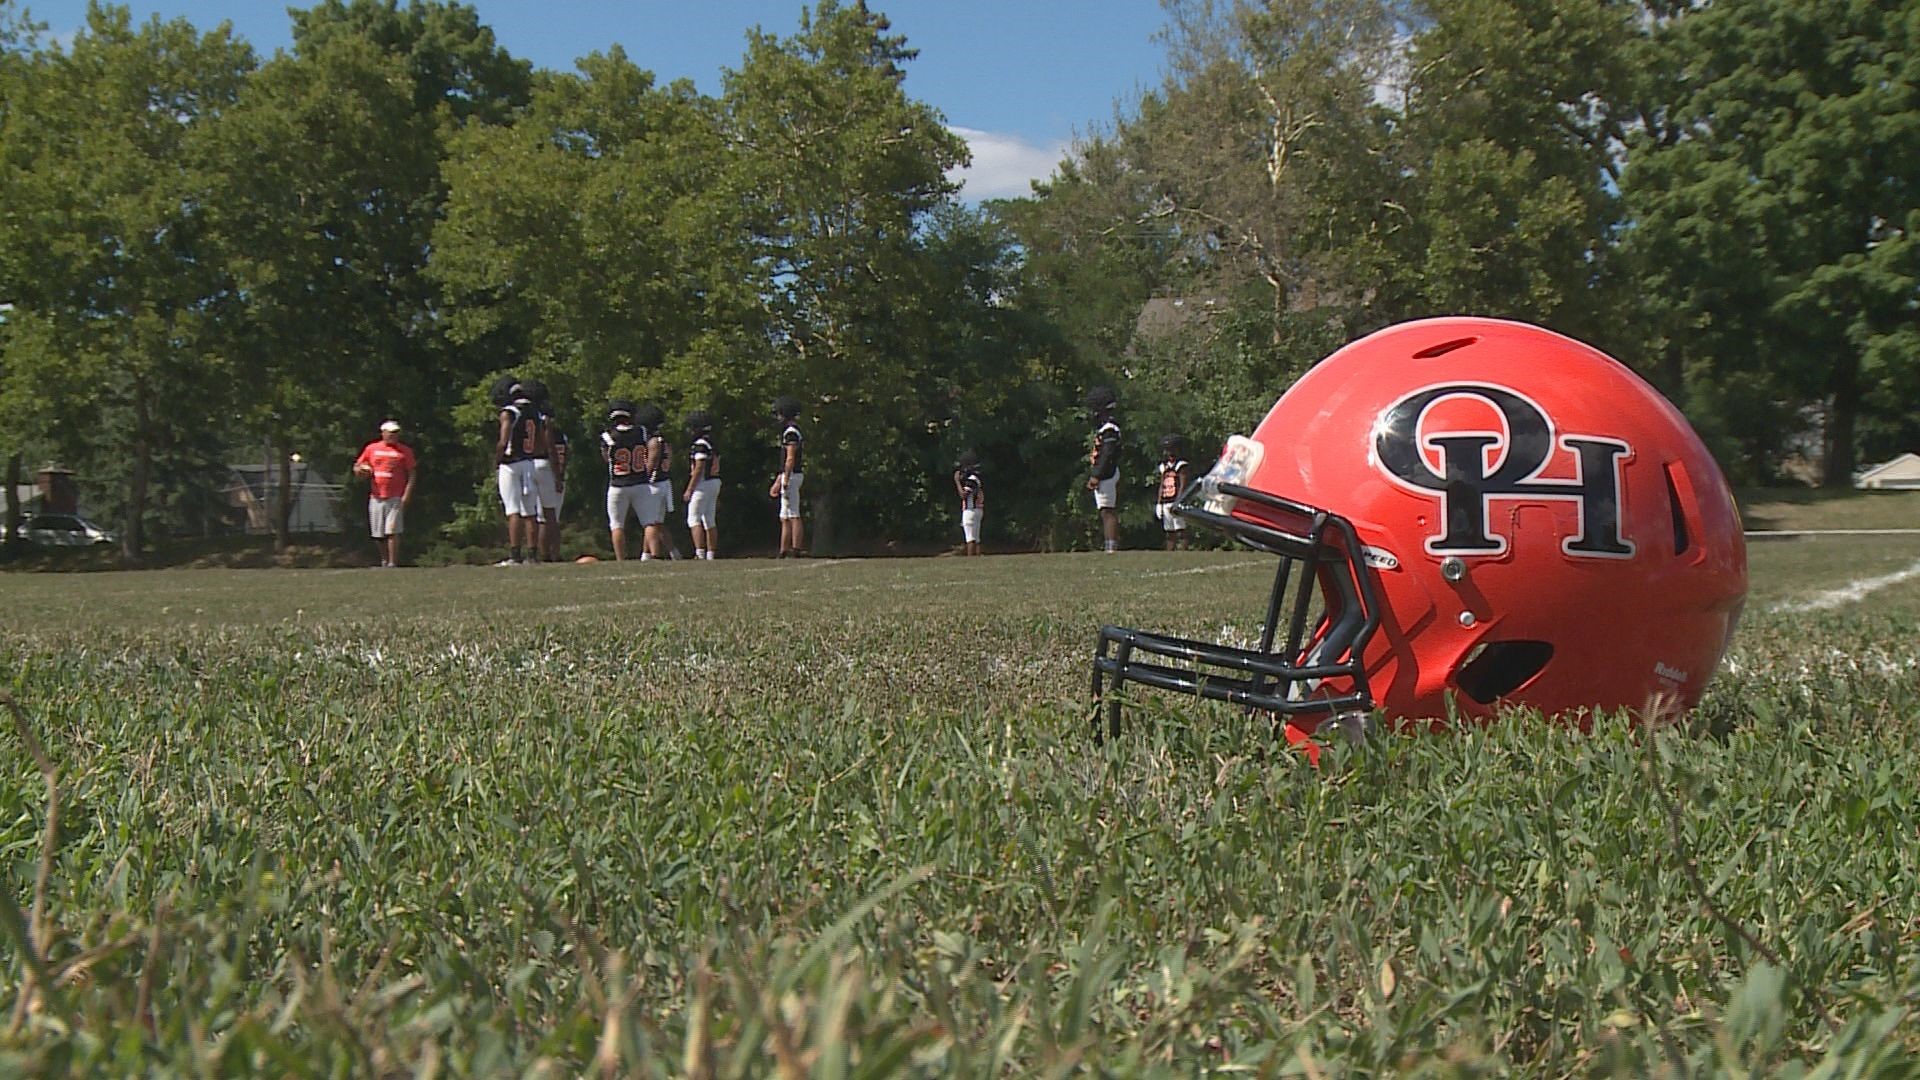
(556,440)
(1169,481)
(702,450)
(663,463)
(1104,459)
(523,433)
(791,437)
(625,449)
(971,490)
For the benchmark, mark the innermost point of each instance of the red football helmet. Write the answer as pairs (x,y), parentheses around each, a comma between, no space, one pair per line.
(1470,510)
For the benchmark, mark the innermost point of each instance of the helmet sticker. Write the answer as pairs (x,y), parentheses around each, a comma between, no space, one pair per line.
(1479,466)
(1379,558)
(1237,462)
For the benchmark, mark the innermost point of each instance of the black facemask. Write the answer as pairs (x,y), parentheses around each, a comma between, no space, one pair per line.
(1322,564)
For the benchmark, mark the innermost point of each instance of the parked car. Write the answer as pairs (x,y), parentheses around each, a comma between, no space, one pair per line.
(63,530)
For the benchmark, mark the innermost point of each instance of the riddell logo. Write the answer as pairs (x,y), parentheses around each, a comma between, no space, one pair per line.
(1668,671)
(1479,467)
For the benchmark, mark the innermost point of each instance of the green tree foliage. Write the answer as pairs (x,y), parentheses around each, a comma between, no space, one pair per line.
(331,190)
(16,31)
(596,244)
(110,357)
(1773,222)
(1512,143)
(203,253)
(329,161)
(839,170)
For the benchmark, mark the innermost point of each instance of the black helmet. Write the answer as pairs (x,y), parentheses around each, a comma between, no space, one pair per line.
(1173,444)
(535,391)
(619,407)
(699,422)
(1102,399)
(650,416)
(502,390)
(786,408)
(968,460)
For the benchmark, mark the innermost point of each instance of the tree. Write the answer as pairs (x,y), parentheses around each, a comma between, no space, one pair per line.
(596,243)
(327,163)
(104,246)
(838,169)
(1265,149)
(1774,218)
(16,68)
(1513,132)
(331,190)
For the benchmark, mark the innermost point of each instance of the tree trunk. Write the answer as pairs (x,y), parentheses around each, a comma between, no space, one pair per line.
(132,542)
(1837,468)
(11,541)
(283,500)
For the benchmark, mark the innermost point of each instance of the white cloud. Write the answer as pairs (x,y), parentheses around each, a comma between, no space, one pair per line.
(1004,165)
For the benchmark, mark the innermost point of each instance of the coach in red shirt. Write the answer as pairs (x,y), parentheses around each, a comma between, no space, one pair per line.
(390,463)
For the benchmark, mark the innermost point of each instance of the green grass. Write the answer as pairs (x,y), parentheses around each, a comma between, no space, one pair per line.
(844,818)
(1823,508)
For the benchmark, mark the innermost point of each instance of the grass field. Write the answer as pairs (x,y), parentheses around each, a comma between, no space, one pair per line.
(844,819)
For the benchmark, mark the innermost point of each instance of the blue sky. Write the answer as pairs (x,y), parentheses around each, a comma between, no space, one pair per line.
(1018,78)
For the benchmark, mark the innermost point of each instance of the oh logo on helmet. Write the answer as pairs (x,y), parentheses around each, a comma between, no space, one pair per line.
(1480,467)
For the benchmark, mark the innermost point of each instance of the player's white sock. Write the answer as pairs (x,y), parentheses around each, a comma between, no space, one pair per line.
(646,556)
(708,555)
(1112,547)
(699,553)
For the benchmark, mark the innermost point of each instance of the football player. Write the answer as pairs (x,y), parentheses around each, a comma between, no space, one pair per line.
(1103,462)
(786,486)
(653,507)
(703,485)
(660,477)
(623,446)
(973,499)
(521,436)
(1175,472)
(549,472)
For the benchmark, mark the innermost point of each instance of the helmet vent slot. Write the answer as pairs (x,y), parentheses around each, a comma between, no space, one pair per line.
(1444,348)
(1498,668)
(1682,539)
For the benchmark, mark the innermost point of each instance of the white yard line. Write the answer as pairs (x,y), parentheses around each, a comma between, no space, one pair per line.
(1764,534)
(1849,593)
(1199,570)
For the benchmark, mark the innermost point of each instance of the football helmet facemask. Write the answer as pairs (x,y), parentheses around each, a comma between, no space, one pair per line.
(1470,514)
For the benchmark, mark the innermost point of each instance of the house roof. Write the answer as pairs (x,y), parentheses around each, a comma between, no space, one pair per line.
(1906,465)
(259,481)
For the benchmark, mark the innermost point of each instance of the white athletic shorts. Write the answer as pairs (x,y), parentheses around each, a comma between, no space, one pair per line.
(1169,521)
(623,502)
(663,490)
(1105,494)
(652,504)
(546,484)
(384,516)
(790,496)
(517,493)
(970,524)
(700,508)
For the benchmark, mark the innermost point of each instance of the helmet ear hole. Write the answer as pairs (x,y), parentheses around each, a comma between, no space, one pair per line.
(1682,540)
(1495,669)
